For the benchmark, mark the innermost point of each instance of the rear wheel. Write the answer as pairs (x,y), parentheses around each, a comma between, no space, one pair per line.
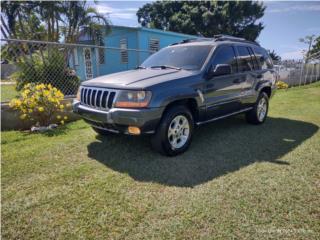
(260,110)
(174,133)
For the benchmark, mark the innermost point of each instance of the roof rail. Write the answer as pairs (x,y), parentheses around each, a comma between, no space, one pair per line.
(201,39)
(216,38)
(223,37)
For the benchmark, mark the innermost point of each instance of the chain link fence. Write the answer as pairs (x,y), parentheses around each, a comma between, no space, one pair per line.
(63,66)
(299,72)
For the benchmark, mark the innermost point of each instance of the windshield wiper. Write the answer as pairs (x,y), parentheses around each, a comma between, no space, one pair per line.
(165,67)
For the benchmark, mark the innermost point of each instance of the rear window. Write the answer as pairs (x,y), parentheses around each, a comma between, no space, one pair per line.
(263,58)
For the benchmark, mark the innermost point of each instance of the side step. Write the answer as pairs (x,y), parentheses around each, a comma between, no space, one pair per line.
(224,116)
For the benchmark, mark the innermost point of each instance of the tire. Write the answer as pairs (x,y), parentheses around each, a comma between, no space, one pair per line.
(255,116)
(174,133)
(101,131)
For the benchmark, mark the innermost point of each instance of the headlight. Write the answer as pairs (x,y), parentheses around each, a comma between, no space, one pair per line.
(133,99)
(78,94)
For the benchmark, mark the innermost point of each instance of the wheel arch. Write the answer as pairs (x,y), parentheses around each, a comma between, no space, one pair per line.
(190,103)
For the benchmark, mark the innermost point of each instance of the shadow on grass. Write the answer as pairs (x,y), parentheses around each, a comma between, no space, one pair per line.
(217,148)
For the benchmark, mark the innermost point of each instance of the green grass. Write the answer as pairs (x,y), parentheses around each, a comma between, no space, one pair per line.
(8,92)
(237,181)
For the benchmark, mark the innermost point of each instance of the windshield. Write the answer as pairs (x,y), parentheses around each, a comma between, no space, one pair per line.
(185,57)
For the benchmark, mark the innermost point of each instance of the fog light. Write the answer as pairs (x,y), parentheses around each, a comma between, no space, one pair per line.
(134,130)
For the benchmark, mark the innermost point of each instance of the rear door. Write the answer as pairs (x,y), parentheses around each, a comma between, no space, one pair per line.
(248,67)
(222,93)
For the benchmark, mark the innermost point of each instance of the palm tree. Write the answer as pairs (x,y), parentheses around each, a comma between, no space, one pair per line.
(274,56)
(83,19)
(64,20)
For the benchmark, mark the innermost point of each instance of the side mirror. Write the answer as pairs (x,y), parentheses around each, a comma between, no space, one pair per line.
(220,69)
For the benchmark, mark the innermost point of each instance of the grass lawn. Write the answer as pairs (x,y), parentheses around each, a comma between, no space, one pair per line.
(237,181)
(8,92)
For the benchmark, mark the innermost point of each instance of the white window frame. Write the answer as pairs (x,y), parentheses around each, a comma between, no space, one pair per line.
(151,43)
(124,55)
(86,67)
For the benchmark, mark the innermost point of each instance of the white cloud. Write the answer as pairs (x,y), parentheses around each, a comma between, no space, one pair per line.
(120,13)
(298,54)
(293,7)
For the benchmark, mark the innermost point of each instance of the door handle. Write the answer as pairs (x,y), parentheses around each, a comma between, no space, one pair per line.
(238,80)
(210,85)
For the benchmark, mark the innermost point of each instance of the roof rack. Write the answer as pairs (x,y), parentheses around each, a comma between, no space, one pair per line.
(223,37)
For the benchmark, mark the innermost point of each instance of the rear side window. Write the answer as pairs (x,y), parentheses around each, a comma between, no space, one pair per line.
(263,58)
(225,55)
(245,60)
(254,59)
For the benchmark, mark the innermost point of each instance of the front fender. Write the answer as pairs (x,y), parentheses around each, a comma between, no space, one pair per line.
(163,98)
(262,84)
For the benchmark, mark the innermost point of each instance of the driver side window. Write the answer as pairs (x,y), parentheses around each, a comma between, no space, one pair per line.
(225,55)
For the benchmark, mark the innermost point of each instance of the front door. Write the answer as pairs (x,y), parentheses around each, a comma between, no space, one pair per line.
(223,93)
(88,63)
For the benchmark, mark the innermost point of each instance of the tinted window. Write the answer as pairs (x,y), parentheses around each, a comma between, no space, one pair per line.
(245,61)
(225,55)
(186,57)
(254,59)
(263,58)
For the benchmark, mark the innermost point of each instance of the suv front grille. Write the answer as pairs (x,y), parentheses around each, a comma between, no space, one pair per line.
(100,98)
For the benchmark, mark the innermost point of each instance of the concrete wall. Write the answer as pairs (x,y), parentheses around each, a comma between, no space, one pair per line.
(10,119)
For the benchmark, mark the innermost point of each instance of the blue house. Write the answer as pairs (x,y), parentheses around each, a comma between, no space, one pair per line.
(124,48)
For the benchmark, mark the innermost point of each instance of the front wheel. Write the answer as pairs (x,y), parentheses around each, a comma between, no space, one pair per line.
(260,110)
(174,133)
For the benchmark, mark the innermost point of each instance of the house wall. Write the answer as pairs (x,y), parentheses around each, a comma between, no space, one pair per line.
(137,38)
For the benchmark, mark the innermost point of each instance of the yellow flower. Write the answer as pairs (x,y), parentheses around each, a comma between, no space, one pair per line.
(65,118)
(40,109)
(62,122)
(46,92)
(61,106)
(23,116)
(18,103)
(58,117)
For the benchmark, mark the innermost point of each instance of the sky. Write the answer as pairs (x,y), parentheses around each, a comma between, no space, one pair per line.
(285,22)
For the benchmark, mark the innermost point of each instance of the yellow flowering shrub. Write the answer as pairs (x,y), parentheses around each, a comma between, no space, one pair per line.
(282,85)
(40,103)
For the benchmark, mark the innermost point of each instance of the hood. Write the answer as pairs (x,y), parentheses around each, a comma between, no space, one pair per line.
(137,79)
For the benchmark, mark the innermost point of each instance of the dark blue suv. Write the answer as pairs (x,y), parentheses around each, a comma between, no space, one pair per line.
(181,86)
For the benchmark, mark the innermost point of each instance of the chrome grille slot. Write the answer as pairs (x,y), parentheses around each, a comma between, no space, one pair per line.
(98,98)
(110,99)
(104,99)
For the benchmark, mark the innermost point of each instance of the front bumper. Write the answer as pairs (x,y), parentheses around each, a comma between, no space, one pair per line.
(118,119)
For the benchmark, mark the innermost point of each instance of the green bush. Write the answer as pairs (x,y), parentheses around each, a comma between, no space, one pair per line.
(47,68)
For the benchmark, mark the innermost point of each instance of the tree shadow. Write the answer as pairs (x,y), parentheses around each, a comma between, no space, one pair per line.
(217,148)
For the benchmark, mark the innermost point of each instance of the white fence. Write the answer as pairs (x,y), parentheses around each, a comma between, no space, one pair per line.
(299,73)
